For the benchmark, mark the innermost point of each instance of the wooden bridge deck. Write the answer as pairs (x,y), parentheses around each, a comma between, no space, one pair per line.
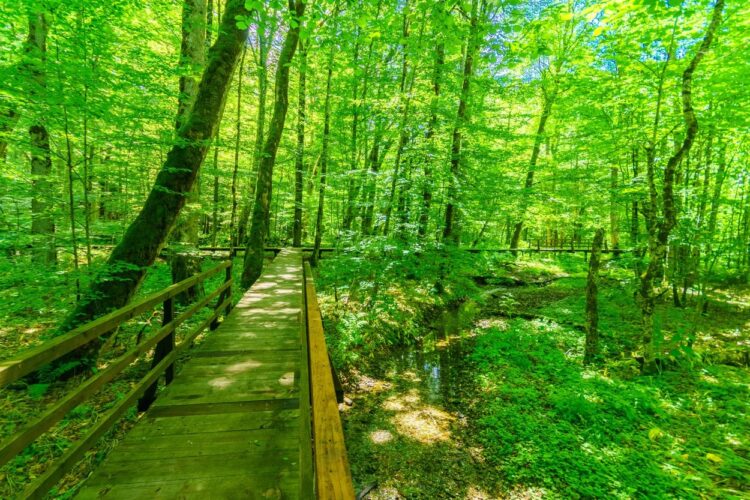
(235,422)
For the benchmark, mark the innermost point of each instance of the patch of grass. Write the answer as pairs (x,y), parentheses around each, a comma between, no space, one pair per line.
(546,421)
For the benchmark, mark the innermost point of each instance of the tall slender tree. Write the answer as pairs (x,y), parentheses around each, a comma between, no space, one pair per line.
(451,232)
(259,228)
(42,222)
(660,227)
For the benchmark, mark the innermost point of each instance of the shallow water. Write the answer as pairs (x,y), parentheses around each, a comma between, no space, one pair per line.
(409,430)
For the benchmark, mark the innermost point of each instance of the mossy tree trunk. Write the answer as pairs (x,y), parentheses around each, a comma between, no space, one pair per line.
(42,223)
(147,234)
(185,260)
(592,301)
(253,265)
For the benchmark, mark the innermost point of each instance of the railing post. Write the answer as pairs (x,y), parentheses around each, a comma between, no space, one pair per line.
(163,348)
(226,293)
(228,279)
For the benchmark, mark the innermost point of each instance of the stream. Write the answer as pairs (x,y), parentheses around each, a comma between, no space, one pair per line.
(409,430)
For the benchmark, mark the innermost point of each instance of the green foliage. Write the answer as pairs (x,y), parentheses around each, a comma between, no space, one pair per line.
(382,295)
(578,433)
(36,391)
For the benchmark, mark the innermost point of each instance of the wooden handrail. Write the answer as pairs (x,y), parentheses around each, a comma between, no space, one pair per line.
(333,478)
(57,470)
(164,357)
(30,361)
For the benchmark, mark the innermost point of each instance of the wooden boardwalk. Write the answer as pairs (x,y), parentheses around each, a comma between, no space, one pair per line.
(235,422)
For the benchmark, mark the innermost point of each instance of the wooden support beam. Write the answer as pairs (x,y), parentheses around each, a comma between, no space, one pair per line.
(333,478)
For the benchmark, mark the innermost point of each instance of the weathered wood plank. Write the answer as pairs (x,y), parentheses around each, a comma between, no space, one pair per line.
(245,419)
(242,486)
(191,408)
(229,424)
(307,468)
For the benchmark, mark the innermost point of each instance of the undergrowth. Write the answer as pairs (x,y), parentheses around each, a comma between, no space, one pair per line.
(546,421)
(381,295)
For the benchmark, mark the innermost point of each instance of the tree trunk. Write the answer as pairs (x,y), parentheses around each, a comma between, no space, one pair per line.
(404,105)
(192,55)
(253,266)
(716,197)
(185,261)
(42,223)
(146,235)
(262,74)
(374,162)
(614,208)
(299,163)
(634,222)
(323,163)
(592,304)
(429,161)
(71,194)
(233,239)
(451,232)
(660,228)
(547,102)
(352,186)
(9,117)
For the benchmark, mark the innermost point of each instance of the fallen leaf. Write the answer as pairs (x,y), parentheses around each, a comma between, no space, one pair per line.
(655,434)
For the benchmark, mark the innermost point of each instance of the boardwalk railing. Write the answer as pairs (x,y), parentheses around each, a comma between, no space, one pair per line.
(333,478)
(165,354)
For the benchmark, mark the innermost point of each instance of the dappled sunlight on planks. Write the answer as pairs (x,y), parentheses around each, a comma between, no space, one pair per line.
(287,379)
(221,382)
(244,366)
(228,425)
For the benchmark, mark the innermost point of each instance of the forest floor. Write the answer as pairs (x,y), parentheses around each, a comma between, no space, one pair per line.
(503,407)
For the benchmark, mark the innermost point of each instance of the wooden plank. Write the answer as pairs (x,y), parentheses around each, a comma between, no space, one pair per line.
(209,445)
(38,488)
(15,368)
(204,353)
(244,486)
(255,462)
(244,418)
(224,407)
(229,424)
(332,474)
(202,393)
